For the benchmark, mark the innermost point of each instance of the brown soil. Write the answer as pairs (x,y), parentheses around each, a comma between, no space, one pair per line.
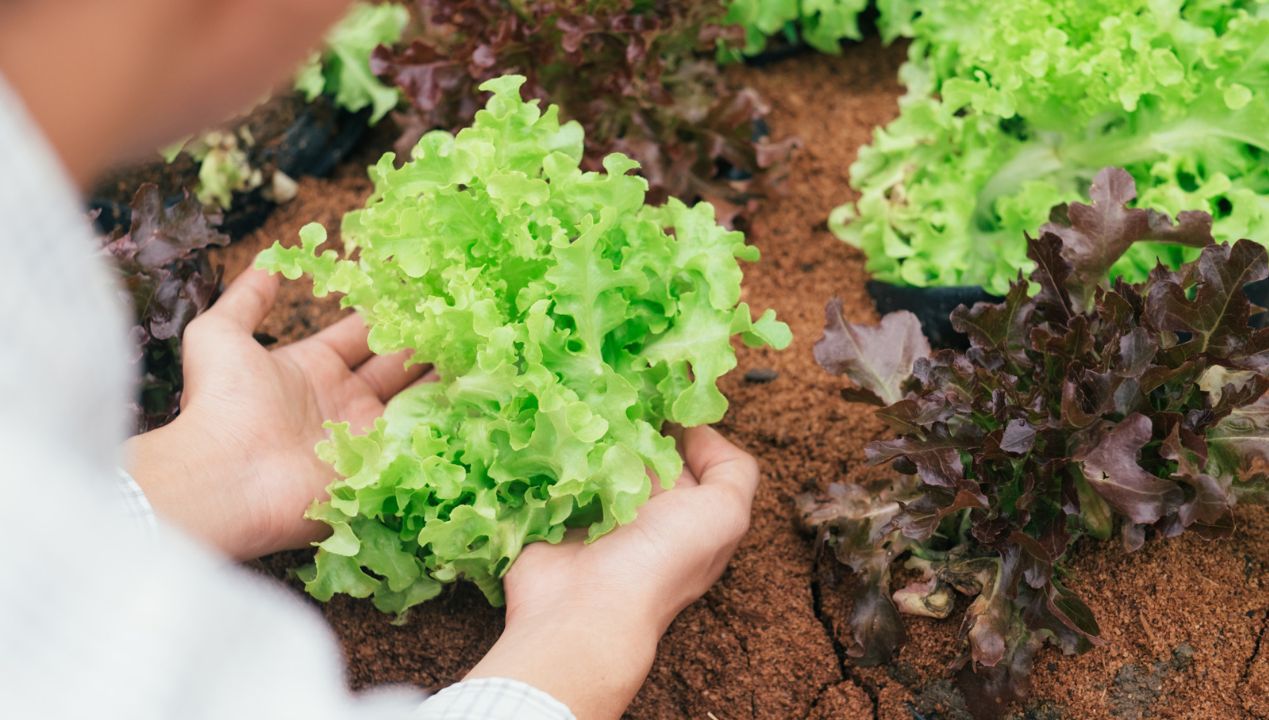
(1184,620)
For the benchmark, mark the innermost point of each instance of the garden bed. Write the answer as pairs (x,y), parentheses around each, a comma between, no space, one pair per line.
(1184,620)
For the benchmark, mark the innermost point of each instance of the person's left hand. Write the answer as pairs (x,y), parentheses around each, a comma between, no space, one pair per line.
(584,619)
(237,468)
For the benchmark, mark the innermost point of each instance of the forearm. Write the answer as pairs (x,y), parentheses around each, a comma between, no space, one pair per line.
(591,664)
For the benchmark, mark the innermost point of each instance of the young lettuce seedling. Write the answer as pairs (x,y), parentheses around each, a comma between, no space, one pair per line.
(568,322)
(1079,406)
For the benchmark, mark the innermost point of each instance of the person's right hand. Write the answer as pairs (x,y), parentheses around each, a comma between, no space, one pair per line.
(583,620)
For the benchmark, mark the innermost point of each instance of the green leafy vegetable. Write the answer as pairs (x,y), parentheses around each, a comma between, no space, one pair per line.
(224,168)
(1012,108)
(1084,406)
(568,321)
(822,24)
(342,69)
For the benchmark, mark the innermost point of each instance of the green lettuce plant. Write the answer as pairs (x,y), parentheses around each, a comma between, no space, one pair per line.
(822,24)
(342,69)
(1013,107)
(568,321)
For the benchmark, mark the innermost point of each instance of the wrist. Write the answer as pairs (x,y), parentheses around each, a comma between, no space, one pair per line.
(590,660)
(191,484)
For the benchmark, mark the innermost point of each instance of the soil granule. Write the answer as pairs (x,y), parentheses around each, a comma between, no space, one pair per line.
(1184,620)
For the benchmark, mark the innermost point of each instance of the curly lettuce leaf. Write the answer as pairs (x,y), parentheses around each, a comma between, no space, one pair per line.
(342,68)
(568,321)
(1012,109)
(1083,406)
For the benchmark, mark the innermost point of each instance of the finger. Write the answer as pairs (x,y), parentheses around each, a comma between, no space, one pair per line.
(247,300)
(685,478)
(347,338)
(388,375)
(428,377)
(716,461)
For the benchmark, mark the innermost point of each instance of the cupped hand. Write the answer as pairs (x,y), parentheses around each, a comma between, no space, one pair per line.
(237,468)
(651,569)
(583,620)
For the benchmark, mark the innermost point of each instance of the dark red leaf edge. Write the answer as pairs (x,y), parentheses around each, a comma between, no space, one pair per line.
(1080,405)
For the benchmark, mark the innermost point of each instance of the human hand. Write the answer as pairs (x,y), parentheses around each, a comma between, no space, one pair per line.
(583,620)
(237,468)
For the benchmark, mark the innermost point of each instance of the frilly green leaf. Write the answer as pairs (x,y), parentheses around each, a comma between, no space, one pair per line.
(342,68)
(1013,108)
(568,321)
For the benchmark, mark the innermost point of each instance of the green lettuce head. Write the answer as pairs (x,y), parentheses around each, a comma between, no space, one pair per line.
(568,322)
(1014,107)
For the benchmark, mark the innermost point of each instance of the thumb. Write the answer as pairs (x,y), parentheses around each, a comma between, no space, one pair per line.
(247,300)
(716,462)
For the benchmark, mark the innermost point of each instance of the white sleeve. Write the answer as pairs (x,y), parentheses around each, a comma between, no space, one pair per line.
(97,619)
(483,699)
(493,699)
(102,616)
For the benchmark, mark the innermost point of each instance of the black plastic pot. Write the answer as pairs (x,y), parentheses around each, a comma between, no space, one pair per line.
(932,306)
(776,53)
(312,146)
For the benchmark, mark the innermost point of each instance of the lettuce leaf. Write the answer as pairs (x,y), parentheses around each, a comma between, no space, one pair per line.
(822,24)
(342,68)
(568,321)
(1084,405)
(167,280)
(1013,108)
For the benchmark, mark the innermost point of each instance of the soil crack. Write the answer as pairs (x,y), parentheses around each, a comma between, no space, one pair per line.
(843,662)
(1255,649)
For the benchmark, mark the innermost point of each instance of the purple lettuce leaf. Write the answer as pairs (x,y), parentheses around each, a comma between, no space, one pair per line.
(168,280)
(1081,405)
(879,359)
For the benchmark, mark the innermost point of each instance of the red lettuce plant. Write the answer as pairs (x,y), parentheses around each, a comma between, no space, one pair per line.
(638,76)
(1080,406)
(168,281)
